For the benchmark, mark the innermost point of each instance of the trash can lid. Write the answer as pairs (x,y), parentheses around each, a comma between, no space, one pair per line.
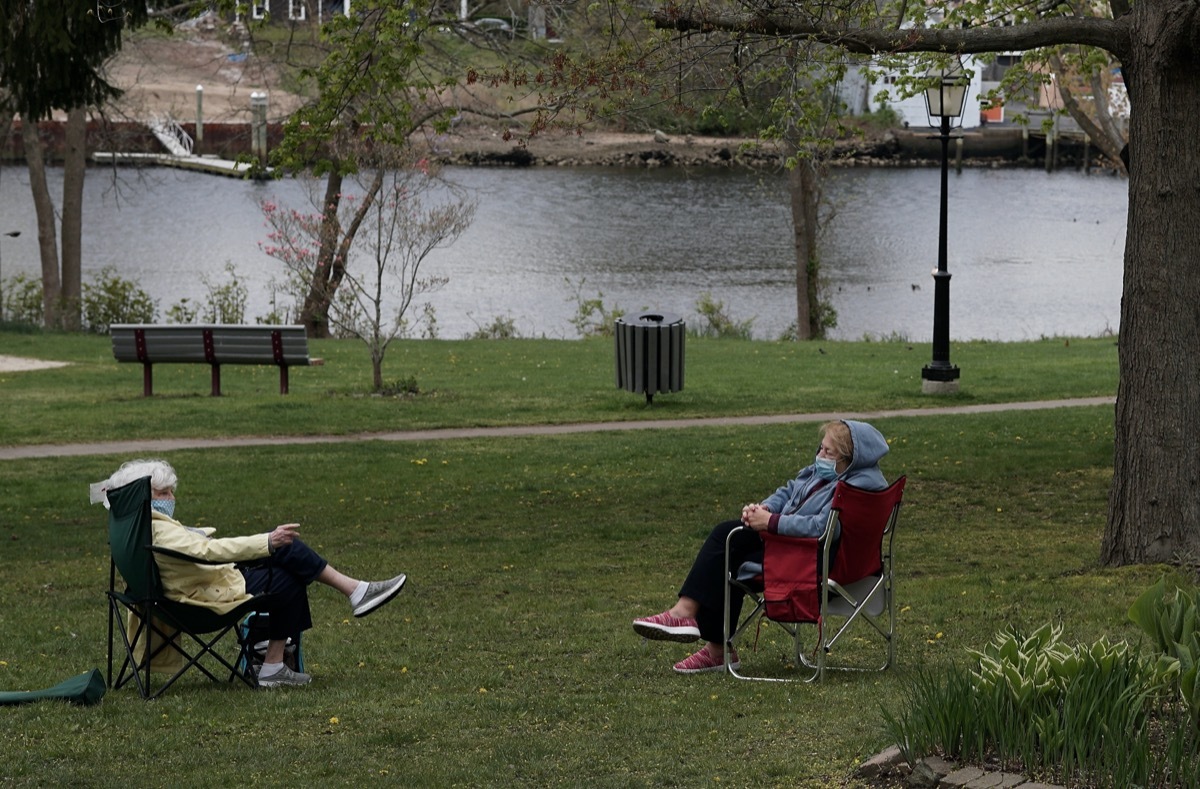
(650,318)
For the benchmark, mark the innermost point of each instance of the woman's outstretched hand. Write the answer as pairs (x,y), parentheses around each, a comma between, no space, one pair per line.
(282,535)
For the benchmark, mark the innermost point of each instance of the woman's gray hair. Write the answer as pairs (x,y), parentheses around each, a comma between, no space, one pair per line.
(162,475)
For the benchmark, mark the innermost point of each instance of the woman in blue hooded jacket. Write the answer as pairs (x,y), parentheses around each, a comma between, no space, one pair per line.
(849,451)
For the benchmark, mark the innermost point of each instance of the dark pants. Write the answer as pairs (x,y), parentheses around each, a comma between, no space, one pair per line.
(706,582)
(285,575)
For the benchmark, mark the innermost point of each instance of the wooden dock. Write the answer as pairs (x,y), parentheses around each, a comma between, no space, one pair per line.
(202,164)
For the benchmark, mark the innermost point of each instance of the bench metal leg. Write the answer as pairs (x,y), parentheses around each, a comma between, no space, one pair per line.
(147,380)
(216,380)
(283,379)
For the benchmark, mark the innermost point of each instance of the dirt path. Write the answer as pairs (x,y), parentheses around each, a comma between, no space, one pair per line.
(173,445)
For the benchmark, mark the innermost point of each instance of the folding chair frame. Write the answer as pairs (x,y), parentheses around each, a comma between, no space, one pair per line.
(173,633)
(193,631)
(866,598)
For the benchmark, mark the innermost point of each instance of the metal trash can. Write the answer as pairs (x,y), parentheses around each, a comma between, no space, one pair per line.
(650,353)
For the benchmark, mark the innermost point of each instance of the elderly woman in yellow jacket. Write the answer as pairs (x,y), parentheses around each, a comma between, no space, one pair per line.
(290,567)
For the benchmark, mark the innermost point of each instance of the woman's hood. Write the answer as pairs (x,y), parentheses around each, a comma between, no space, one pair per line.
(869,445)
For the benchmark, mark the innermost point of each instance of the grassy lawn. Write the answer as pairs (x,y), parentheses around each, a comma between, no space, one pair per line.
(509,658)
(472,383)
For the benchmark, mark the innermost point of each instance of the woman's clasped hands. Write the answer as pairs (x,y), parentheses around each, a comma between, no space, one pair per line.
(756,516)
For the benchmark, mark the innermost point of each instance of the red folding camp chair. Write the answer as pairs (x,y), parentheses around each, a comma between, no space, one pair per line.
(795,588)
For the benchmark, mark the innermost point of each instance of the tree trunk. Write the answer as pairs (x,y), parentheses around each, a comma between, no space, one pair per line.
(315,312)
(74,167)
(802,190)
(335,245)
(47,223)
(1154,502)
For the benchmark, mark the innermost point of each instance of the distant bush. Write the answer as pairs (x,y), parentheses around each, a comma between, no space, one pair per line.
(225,303)
(502,327)
(718,323)
(22,300)
(110,299)
(592,318)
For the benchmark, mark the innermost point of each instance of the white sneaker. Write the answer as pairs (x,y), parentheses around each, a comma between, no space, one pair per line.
(284,677)
(378,593)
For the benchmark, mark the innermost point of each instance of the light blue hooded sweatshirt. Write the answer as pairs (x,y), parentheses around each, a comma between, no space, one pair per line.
(803,507)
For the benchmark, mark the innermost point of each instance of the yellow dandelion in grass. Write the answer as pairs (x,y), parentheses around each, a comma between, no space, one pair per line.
(361,664)
(419,461)
(404,669)
(999,509)
(906,609)
(3,662)
(483,690)
(939,635)
(334,721)
(713,697)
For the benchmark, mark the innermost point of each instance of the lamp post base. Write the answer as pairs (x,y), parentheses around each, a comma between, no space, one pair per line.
(939,379)
(939,387)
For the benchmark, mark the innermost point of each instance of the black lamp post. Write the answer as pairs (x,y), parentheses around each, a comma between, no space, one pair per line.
(943,100)
(10,234)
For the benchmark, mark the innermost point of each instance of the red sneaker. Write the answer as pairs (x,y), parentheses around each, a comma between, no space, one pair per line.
(705,660)
(664,627)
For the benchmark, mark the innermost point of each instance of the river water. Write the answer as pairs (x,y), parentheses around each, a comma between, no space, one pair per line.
(1032,254)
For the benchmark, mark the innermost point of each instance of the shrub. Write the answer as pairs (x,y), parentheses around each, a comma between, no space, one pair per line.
(502,327)
(592,318)
(110,299)
(400,387)
(225,303)
(718,323)
(22,299)
(1098,715)
(182,311)
(1171,621)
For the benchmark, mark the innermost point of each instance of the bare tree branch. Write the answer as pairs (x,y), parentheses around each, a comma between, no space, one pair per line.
(1108,145)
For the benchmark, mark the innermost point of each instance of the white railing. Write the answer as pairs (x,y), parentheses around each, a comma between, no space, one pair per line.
(171,135)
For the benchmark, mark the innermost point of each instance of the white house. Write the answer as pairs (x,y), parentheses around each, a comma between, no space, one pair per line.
(862,96)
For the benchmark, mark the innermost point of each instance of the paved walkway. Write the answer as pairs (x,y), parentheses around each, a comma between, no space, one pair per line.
(175,444)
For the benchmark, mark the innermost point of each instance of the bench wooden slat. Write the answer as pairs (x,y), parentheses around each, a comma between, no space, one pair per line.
(213,344)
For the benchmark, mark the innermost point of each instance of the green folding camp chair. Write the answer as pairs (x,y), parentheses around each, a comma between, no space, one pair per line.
(150,625)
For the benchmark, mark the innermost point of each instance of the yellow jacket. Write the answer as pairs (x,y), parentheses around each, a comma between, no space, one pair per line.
(219,587)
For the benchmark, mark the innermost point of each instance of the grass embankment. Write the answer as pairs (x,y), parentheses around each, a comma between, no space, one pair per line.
(509,660)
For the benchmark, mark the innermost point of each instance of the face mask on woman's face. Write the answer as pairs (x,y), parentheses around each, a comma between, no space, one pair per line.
(826,468)
(165,506)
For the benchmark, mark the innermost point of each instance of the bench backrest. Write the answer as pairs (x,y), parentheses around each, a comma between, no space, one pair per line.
(211,343)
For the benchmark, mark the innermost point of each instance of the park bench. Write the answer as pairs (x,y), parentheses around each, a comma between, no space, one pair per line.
(211,344)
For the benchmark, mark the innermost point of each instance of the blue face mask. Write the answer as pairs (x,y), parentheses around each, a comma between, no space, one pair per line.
(826,468)
(165,506)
